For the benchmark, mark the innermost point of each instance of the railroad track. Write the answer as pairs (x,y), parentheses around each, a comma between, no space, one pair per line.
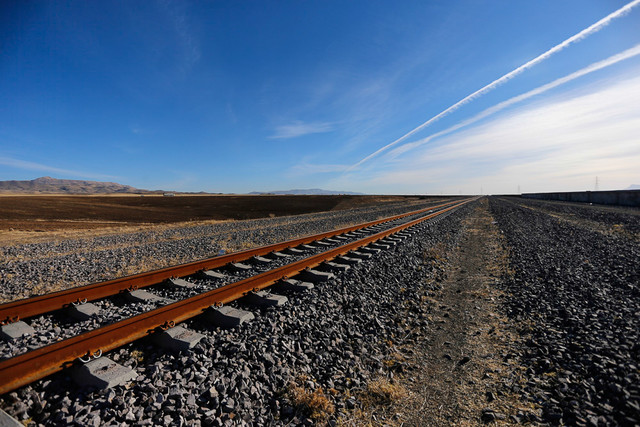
(294,258)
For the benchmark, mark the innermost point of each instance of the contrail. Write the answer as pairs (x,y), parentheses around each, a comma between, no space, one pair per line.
(626,54)
(573,39)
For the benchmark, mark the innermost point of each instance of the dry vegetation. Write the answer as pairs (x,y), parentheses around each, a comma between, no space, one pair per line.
(312,402)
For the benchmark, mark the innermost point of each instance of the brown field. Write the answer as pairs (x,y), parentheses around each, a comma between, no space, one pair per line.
(43,213)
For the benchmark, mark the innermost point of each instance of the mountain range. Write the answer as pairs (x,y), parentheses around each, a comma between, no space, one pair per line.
(310,191)
(47,184)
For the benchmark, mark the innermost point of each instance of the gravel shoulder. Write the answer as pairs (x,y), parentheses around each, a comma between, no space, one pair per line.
(575,295)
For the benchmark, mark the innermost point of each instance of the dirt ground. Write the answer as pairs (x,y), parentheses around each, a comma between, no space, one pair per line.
(33,218)
(463,359)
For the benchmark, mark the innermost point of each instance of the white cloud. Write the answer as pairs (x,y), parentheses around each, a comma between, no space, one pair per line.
(629,53)
(299,128)
(571,40)
(559,144)
(309,168)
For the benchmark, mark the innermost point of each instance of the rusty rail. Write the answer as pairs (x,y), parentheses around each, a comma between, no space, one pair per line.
(22,309)
(29,367)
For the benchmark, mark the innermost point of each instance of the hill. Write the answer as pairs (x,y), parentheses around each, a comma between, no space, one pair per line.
(47,185)
(310,191)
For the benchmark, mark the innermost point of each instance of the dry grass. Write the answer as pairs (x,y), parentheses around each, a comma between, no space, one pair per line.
(436,254)
(382,392)
(313,403)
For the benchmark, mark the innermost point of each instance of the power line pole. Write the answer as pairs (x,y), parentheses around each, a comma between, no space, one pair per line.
(597,184)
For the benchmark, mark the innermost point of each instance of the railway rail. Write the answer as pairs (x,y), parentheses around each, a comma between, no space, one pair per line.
(23,369)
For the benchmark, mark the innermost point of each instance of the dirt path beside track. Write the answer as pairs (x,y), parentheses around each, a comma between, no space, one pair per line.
(467,353)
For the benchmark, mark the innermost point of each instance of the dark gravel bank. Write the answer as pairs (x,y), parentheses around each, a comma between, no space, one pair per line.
(575,293)
(301,364)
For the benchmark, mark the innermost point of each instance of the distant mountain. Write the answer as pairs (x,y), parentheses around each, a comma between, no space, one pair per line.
(47,184)
(310,191)
(633,187)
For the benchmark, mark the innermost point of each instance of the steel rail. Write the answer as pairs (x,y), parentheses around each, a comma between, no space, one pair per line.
(29,307)
(36,364)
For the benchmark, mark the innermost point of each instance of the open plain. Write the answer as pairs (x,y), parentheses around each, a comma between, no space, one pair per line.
(505,311)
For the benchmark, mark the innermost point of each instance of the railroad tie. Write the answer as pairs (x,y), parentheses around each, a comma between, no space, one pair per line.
(332,241)
(211,274)
(83,311)
(180,283)
(379,245)
(7,420)
(140,295)
(227,317)
(347,260)
(388,242)
(103,373)
(258,260)
(293,285)
(237,266)
(315,276)
(360,255)
(264,299)
(333,266)
(277,255)
(320,244)
(292,251)
(177,338)
(371,250)
(15,330)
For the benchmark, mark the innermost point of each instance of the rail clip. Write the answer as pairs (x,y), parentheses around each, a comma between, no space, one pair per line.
(167,325)
(90,356)
(10,320)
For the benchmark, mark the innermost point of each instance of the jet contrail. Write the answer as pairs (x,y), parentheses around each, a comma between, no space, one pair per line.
(626,54)
(573,39)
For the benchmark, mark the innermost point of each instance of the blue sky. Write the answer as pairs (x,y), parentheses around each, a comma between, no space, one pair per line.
(231,96)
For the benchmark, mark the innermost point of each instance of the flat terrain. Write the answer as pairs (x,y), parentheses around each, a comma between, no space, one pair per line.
(507,311)
(54,212)
(41,218)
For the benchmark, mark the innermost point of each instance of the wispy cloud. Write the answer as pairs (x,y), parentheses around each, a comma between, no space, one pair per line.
(629,53)
(559,144)
(26,165)
(489,87)
(299,128)
(310,168)
(191,52)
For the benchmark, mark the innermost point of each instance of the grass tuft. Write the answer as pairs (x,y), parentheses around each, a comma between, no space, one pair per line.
(382,392)
(315,404)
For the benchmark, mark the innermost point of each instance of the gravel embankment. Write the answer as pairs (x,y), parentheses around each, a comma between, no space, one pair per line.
(56,326)
(575,294)
(34,269)
(617,219)
(329,342)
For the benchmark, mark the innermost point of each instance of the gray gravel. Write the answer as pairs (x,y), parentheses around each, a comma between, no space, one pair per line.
(335,336)
(57,326)
(33,269)
(579,292)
